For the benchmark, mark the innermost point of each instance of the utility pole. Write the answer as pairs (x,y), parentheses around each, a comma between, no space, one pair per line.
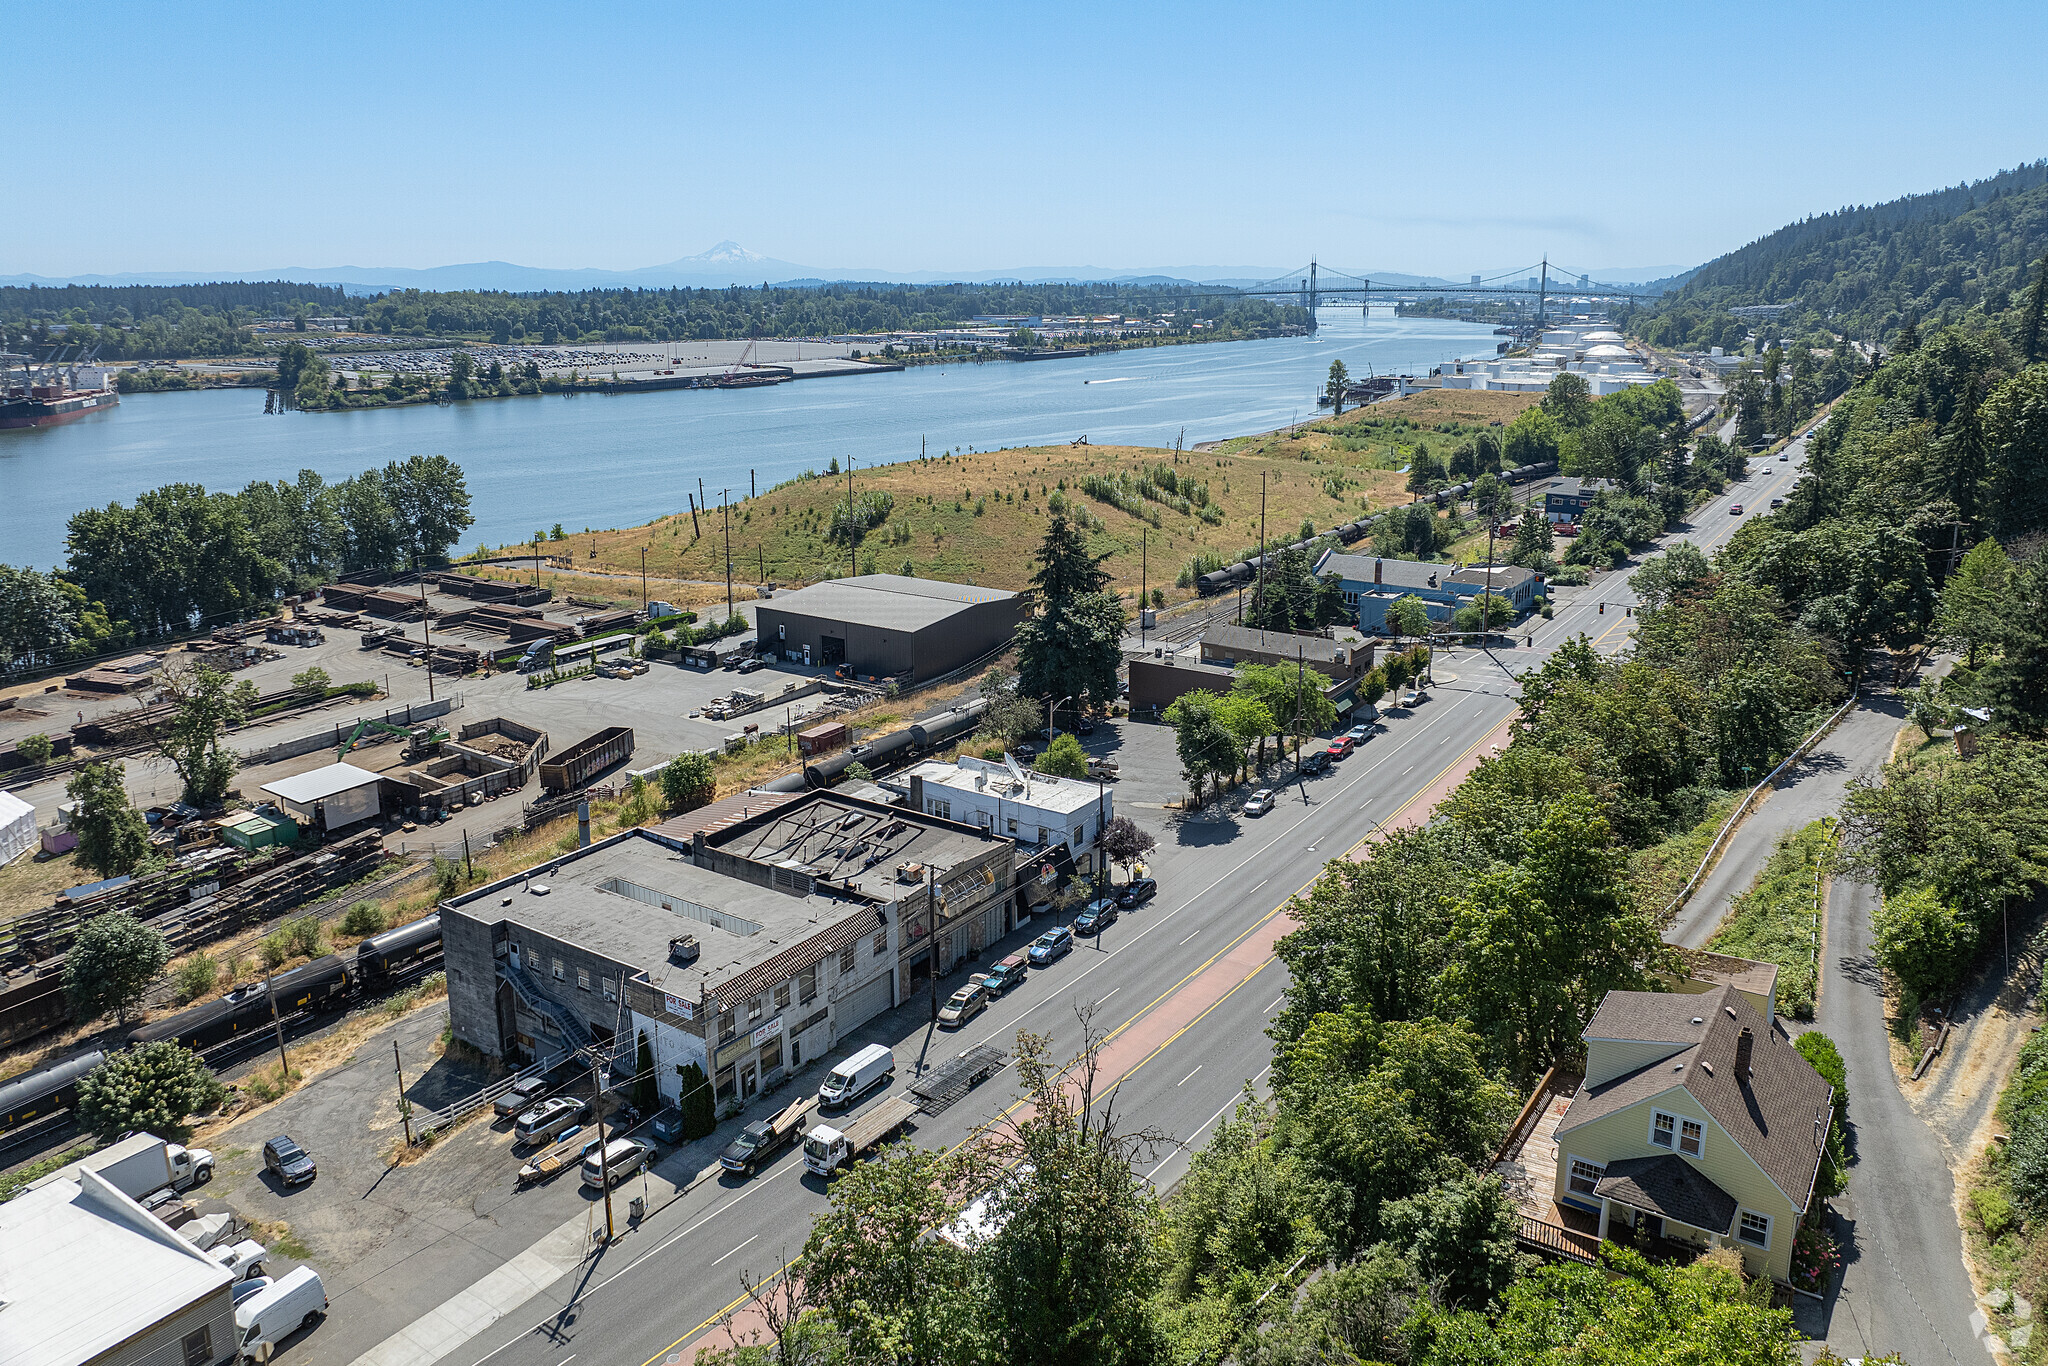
(427,621)
(725,511)
(851,567)
(1259,593)
(1144,574)
(404,1110)
(604,1157)
(931,933)
(643,580)
(536,563)
(275,1023)
(1300,674)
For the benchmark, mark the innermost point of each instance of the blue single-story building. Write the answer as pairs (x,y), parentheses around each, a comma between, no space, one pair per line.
(1371,584)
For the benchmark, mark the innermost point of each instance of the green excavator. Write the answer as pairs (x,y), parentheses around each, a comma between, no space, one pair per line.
(420,740)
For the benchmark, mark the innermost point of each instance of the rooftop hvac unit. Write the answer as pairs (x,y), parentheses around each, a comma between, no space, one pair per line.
(683,950)
(910,872)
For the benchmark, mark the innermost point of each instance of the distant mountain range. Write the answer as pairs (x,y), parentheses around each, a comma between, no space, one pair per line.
(729,263)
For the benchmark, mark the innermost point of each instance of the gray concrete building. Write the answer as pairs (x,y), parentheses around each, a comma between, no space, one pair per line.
(885,625)
(747,949)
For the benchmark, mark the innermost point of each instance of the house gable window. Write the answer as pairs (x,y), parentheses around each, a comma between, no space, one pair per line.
(1687,1136)
(1584,1177)
(1754,1229)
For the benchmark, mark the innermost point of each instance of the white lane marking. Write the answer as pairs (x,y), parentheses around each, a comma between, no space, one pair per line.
(1184,1144)
(1112,991)
(1186,940)
(1189,1077)
(1276,1004)
(1262,882)
(736,1249)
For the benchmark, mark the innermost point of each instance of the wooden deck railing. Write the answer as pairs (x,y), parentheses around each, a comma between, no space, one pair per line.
(1551,1240)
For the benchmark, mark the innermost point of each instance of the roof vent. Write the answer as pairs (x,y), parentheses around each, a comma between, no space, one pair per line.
(504,901)
(1730,1010)
(683,949)
(1697,1020)
(539,889)
(1708,1068)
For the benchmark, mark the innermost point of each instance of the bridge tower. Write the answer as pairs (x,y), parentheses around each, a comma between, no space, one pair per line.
(1314,295)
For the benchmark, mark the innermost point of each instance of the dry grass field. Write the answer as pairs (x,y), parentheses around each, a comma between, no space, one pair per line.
(977,517)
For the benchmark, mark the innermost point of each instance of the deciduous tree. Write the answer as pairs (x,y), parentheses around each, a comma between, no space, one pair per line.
(113,838)
(151,1087)
(111,962)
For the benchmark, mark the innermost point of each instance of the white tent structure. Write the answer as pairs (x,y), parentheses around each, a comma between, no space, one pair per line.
(17,827)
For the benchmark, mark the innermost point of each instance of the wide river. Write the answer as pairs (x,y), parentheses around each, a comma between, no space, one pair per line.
(592,460)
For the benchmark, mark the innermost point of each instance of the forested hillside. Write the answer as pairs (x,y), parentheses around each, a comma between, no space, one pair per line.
(1968,251)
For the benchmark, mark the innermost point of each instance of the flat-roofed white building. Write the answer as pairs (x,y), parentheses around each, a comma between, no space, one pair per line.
(1040,812)
(90,1278)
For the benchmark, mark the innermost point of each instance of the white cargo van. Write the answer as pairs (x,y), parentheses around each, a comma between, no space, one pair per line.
(857,1076)
(264,1320)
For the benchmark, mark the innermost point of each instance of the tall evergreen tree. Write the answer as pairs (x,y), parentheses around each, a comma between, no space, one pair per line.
(2037,302)
(1066,568)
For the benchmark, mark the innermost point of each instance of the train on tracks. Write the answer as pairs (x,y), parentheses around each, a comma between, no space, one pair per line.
(1244,571)
(378,964)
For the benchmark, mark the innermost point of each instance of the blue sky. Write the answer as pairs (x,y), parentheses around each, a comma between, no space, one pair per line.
(1419,138)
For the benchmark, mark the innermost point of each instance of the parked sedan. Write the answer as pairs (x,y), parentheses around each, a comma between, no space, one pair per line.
(963,1006)
(1053,944)
(288,1162)
(1136,892)
(1259,803)
(1099,916)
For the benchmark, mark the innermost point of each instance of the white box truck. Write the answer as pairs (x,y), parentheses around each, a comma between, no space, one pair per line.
(141,1165)
(857,1076)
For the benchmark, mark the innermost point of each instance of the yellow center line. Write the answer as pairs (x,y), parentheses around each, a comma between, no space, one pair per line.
(1142,1011)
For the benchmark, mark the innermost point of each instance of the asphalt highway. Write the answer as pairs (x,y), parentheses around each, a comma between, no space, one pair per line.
(1183,986)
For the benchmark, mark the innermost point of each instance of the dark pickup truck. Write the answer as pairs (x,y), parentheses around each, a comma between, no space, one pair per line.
(764,1138)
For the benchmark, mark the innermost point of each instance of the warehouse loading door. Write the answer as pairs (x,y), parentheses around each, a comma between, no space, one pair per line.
(865,1003)
(831,650)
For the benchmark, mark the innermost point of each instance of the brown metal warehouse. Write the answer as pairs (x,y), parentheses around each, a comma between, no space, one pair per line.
(885,624)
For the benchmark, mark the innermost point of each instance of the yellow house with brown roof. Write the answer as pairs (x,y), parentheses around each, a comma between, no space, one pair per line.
(1698,1124)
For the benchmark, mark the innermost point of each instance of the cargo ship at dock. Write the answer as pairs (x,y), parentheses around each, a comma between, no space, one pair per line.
(43,395)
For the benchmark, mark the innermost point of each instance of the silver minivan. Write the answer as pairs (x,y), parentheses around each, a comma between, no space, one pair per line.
(626,1156)
(266,1319)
